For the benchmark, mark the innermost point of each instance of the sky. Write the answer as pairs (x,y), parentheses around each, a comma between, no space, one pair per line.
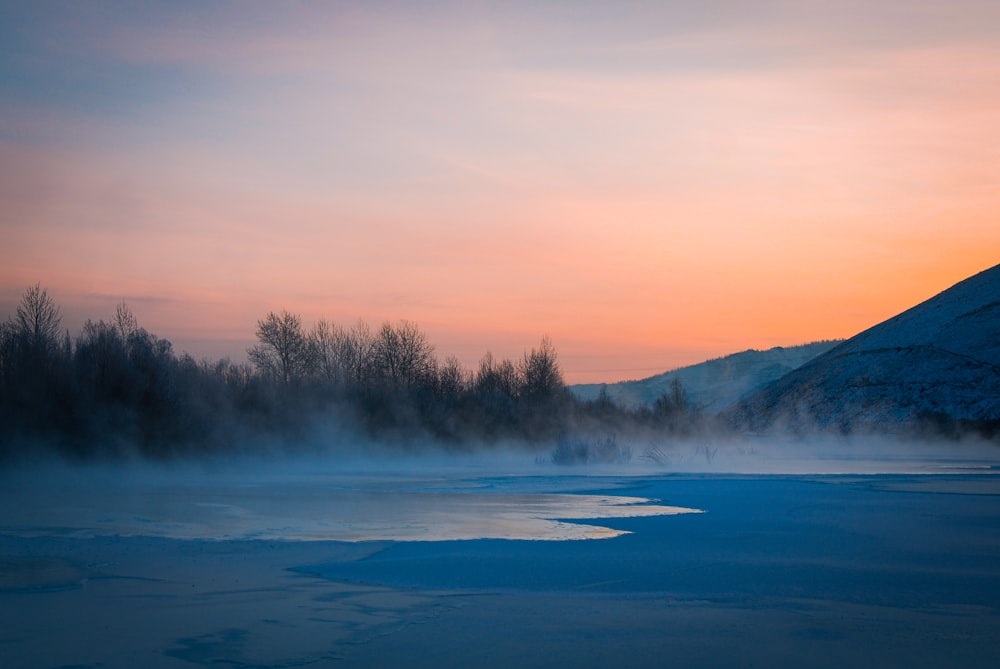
(650,184)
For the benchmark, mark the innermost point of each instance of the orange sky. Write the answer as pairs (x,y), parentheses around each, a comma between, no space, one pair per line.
(650,186)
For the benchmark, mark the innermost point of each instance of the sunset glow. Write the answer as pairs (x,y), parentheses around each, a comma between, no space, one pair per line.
(651,185)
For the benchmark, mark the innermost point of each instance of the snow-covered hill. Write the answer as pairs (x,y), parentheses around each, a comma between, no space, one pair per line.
(939,361)
(714,385)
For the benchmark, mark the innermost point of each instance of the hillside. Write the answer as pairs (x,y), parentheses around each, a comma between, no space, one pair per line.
(938,362)
(714,385)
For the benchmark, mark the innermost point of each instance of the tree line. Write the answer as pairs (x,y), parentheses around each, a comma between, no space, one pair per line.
(117,389)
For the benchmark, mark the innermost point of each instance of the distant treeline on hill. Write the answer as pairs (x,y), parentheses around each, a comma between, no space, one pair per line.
(116,389)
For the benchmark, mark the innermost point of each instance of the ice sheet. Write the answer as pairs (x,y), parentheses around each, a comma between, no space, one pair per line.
(318,507)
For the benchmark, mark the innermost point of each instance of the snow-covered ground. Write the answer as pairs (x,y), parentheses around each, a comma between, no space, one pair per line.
(711,386)
(938,360)
(234,564)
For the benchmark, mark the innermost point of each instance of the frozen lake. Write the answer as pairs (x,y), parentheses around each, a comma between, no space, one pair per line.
(293,503)
(433,565)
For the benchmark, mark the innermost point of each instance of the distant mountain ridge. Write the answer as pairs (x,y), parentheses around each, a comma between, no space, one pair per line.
(936,362)
(714,385)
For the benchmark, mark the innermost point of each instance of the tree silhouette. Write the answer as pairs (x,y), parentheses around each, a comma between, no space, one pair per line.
(542,376)
(36,324)
(125,321)
(673,402)
(403,356)
(116,388)
(283,352)
(498,378)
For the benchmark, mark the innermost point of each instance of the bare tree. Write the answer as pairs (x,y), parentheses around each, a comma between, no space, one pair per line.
(540,371)
(360,352)
(36,323)
(402,355)
(283,352)
(343,356)
(673,401)
(125,321)
(327,340)
(453,379)
(498,377)
(486,377)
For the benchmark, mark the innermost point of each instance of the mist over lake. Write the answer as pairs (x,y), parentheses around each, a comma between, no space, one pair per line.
(503,560)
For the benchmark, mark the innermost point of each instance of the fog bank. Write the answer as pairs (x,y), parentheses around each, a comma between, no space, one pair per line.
(432,495)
